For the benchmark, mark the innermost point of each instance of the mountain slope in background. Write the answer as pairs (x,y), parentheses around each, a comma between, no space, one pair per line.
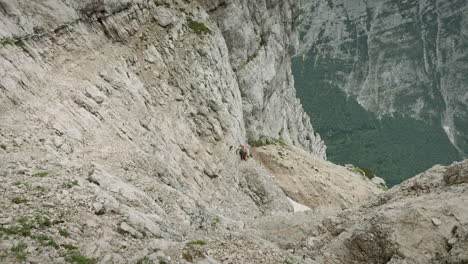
(401,61)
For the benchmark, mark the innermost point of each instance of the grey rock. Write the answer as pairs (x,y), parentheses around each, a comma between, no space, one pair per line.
(161,244)
(164,17)
(126,228)
(6,220)
(58,141)
(5,246)
(436,221)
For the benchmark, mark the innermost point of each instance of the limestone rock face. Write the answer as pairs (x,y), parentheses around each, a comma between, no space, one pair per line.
(260,38)
(422,220)
(395,57)
(120,120)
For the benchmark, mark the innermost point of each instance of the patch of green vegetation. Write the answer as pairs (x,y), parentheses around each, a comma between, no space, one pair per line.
(18,200)
(13,42)
(19,252)
(268,141)
(16,230)
(144,260)
(74,256)
(69,247)
(71,184)
(41,189)
(163,4)
(199,28)
(10,42)
(162,261)
(258,143)
(41,174)
(368,173)
(196,242)
(280,142)
(26,225)
(64,233)
(187,257)
(3,146)
(17,183)
(19,43)
(23,229)
(46,241)
(41,221)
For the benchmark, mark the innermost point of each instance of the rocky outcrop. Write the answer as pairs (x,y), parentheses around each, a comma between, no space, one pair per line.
(423,220)
(395,57)
(314,182)
(261,37)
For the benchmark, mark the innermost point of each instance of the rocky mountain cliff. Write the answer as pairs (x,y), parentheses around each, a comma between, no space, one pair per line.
(119,125)
(396,57)
(394,70)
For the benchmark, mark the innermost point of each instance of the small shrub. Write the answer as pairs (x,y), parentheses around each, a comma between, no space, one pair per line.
(199,28)
(41,189)
(163,4)
(64,233)
(40,221)
(162,261)
(74,256)
(69,247)
(187,257)
(15,230)
(13,42)
(368,173)
(280,142)
(268,141)
(3,146)
(257,143)
(197,242)
(18,200)
(19,252)
(46,241)
(41,174)
(8,42)
(71,184)
(19,43)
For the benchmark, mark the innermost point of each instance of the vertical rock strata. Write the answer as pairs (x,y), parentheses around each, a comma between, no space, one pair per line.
(261,37)
(395,57)
(142,103)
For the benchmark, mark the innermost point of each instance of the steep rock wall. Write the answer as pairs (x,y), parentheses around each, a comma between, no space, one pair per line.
(395,57)
(142,103)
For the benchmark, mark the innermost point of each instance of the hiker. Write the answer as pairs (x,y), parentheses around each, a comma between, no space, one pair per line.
(242,152)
